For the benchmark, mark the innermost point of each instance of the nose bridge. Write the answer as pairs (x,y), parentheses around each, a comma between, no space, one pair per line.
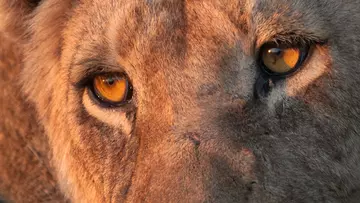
(218,66)
(196,155)
(212,83)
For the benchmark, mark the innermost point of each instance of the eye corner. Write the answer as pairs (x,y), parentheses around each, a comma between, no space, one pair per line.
(83,83)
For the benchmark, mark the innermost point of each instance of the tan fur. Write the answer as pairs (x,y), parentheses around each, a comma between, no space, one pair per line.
(194,131)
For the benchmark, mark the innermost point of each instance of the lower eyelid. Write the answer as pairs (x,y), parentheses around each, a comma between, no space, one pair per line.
(115,117)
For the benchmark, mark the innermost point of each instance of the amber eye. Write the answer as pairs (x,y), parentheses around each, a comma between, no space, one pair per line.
(281,60)
(113,89)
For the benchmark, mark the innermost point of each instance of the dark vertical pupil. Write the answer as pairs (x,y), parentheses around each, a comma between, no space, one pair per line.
(275,54)
(276,51)
(110,81)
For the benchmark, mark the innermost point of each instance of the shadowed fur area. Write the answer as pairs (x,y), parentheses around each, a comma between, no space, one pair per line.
(196,128)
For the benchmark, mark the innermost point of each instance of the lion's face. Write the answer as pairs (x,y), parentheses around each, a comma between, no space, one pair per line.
(202,119)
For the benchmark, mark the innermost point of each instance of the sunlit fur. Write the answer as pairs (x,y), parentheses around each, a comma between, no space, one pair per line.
(195,131)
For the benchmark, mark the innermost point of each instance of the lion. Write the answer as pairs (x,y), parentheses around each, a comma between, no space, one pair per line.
(179,101)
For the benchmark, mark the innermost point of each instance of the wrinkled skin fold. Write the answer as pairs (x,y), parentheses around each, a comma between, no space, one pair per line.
(195,129)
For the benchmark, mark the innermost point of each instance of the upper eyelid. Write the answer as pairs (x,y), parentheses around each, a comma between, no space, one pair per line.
(292,39)
(86,69)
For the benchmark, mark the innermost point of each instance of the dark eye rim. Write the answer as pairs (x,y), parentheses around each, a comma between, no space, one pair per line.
(102,101)
(304,52)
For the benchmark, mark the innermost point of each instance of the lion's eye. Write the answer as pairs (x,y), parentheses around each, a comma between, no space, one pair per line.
(112,89)
(280,60)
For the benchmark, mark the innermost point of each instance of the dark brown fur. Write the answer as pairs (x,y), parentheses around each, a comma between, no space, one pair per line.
(194,132)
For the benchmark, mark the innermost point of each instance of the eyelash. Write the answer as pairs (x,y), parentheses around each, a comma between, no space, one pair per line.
(291,39)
